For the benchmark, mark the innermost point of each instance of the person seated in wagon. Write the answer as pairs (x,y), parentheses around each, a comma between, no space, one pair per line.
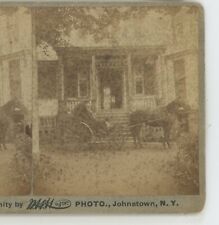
(84,113)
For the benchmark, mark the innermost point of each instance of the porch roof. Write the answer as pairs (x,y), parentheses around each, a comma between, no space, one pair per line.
(98,51)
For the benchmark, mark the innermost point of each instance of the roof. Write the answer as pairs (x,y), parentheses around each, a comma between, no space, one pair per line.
(118,50)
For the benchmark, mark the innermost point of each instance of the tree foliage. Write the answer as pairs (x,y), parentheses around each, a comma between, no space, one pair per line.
(53,23)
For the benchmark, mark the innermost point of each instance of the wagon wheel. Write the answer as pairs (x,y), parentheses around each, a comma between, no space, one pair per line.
(116,138)
(78,134)
(83,135)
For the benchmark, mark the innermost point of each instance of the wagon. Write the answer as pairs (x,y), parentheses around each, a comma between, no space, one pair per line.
(82,130)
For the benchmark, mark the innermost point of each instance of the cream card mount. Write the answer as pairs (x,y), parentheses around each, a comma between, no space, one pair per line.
(102,108)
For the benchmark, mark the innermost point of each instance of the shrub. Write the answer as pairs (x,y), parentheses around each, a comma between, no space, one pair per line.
(23,158)
(187,163)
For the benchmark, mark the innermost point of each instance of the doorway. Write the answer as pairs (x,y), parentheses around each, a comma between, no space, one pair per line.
(110,88)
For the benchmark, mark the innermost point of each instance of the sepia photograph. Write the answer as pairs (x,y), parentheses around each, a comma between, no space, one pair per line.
(15,101)
(101,101)
(118,100)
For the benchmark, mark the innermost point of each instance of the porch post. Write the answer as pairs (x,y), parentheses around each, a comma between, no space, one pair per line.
(161,78)
(35,103)
(60,79)
(169,81)
(1,84)
(35,107)
(129,79)
(93,86)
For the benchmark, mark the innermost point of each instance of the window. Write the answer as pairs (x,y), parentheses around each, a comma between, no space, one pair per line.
(149,79)
(179,28)
(181,88)
(180,79)
(12,28)
(83,88)
(83,82)
(47,74)
(77,80)
(144,75)
(139,85)
(71,83)
(179,32)
(15,78)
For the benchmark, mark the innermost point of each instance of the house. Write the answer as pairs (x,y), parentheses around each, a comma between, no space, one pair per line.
(183,61)
(16,56)
(146,63)
(182,58)
(113,80)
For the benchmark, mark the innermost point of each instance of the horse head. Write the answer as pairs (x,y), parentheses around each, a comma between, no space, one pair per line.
(15,109)
(180,110)
(178,106)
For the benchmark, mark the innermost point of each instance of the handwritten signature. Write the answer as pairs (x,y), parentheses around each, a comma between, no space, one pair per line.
(49,203)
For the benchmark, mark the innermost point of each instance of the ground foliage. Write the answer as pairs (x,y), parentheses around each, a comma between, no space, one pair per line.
(187,162)
(23,159)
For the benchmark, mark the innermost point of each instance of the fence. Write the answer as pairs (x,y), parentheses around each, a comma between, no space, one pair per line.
(47,129)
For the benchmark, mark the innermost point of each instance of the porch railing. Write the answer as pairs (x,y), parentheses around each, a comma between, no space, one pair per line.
(148,103)
(142,103)
(72,103)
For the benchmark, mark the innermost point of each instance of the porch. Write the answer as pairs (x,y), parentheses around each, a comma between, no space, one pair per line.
(110,79)
(113,81)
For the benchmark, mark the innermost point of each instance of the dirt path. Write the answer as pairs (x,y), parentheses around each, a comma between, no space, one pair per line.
(100,172)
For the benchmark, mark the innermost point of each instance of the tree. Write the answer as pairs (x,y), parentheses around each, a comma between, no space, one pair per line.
(53,23)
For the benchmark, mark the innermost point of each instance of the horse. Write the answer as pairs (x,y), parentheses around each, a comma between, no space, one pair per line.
(13,112)
(164,117)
